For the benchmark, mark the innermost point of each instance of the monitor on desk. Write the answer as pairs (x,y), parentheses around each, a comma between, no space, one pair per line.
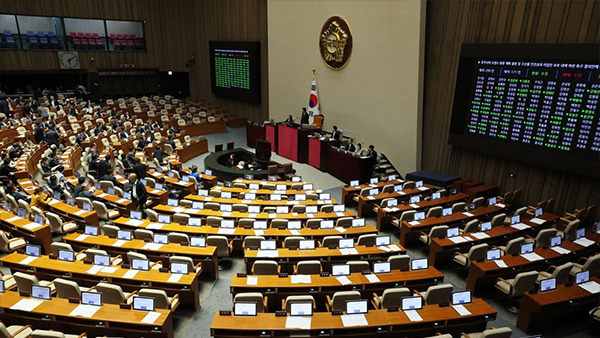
(160,238)
(66,255)
(39,219)
(582,277)
(580,233)
(91,298)
(40,292)
(391,178)
(281,187)
(492,201)
(296,179)
(87,206)
(398,188)
(294,225)
(133,214)
(415,199)
(340,270)
(446,211)
(538,212)
(57,195)
(248,177)
(33,250)
(110,190)
(226,194)
(373,180)
(259,225)
(492,255)
(461,297)
(21,212)
(354,183)
(198,205)
(339,208)
(555,241)
(2,286)
(275,197)
(179,268)
(547,284)
(301,309)
(127,195)
(358,306)
(254,209)
(596,227)
(412,303)
(418,184)
(70,201)
(383,240)
(6,206)
(97,185)
(143,303)
(272,178)
(300,197)
(228,184)
(226,208)
(102,260)
(358,222)
(452,232)
(419,264)
(140,264)
(91,230)
(515,219)
(254,186)
(208,172)
(311,209)
(244,309)
(436,196)
(124,235)
(373,192)
(158,186)
(185,179)
(325,196)
(250,196)
(382,267)
(306,244)
(172,202)
(203,192)
(198,241)
(346,243)
(327,224)
(485,226)
(419,216)
(526,248)
(227,224)
(282,210)
(269,244)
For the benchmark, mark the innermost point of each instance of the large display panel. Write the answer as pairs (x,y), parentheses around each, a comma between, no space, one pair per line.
(536,103)
(235,69)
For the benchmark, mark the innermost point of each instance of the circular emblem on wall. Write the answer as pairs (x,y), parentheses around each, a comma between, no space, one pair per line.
(335,42)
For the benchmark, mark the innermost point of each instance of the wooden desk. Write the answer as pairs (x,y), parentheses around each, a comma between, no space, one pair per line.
(20,227)
(45,268)
(266,192)
(205,128)
(346,167)
(442,250)
(287,258)
(318,152)
(409,231)
(207,255)
(186,187)
(257,201)
(348,192)
(381,323)
(484,274)
(278,288)
(485,190)
(109,320)
(539,308)
(367,203)
(195,148)
(386,215)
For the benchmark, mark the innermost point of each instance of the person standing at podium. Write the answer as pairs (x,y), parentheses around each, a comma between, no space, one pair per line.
(351,147)
(304,117)
(335,134)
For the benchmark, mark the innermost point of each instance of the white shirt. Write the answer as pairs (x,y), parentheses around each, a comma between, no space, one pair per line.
(134,190)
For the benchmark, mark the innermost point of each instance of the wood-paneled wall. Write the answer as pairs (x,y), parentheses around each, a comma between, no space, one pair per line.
(453,22)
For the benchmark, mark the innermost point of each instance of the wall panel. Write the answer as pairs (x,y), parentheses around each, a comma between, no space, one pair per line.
(451,23)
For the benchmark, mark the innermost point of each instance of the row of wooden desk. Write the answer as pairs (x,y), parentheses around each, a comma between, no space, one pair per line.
(366,203)
(34,233)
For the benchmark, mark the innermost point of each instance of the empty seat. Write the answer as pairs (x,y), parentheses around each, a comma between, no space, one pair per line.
(515,287)
(186,260)
(331,240)
(561,273)
(143,234)
(161,300)
(264,267)
(255,297)
(25,281)
(437,294)
(58,226)
(407,216)
(399,262)
(252,241)
(113,294)
(339,299)
(178,237)
(439,231)
(513,246)
(292,241)
(434,212)
(502,332)
(592,264)
(223,245)
(289,300)
(68,289)
(358,266)
(476,252)
(390,298)
(11,244)
(312,267)
(57,246)
(367,239)
(15,331)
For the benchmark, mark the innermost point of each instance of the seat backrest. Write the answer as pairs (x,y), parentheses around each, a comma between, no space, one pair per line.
(24,281)
(592,264)
(435,212)
(312,267)
(143,234)
(438,231)
(56,246)
(514,245)
(66,288)
(458,207)
(408,215)
(571,229)
(111,293)
(409,185)
(524,281)
(399,262)
(472,226)
(343,222)
(264,267)
(178,237)
(313,223)
(477,252)
(181,218)
(279,223)
(367,239)
(478,202)
(439,294)
(295,299)
(501,332)
(393,297)
(46,334)
(358,266)
(561,273)
(109,230)
(250,241)
(331,240)
(338,301)
(161,300)
(256,297)
(221,243)
(498,219)
(544,236)
(213,220)
(131,255)
(183,260)
(292,241)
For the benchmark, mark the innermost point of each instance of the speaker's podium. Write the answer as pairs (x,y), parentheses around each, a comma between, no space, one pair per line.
(263,150)
(292,142)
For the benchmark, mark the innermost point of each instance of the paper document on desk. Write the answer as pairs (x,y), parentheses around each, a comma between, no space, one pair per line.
(178,209)
(259,232)
(480,235)
(191,211)
(500,263)
(27,260)
(520,226)
(537,221)
(340,214)
(413,315)
(119,242)
(151,317)
(32,226)
(401,193)
(293,202)
(175,277)
(584,242)
(343,280)
(53,201)
(591,287)
(102,195)
(225,231)
(457,239)
(252,215)
(532,257)
(372,278)
(302,323)
(272,215)
(134,222)
(340,229)
(85,310)
(384,248)
(252,280)
(26,304)
(346,252)
(354,320)
(226,214)
(394,247)
(295,232)
(370,197)
(152,246)
(130,274)
(267,253)
(500,205)
(109,269)
(94,269)
(414,206)
(468,214)
(461,310)
(423,188)
(560,250)
(310,216)
(208,198)
(81,238)
(12,219)
(80,212)
(301,279)
(246,201)
(414,222)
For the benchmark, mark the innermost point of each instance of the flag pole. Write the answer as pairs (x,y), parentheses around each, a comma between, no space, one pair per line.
(314,71)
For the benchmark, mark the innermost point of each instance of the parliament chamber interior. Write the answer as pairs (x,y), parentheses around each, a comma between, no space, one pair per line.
(282,168)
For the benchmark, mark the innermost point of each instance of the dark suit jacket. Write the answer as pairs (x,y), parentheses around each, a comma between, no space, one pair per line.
(159,155)
(336,135)
(77,191)
(304,118)
(103,168)
(124,135)
(140,191)
(351,148)
(39,134)
(140,170)
(52,137)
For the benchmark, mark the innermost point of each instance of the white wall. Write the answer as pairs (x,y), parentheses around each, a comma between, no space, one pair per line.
(378,95)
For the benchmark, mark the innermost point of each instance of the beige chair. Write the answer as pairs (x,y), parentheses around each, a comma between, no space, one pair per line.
(15,331)
(292,241)
(458,207)
(561,273)
(312,267)
(143,234)
(91,252)
(436,294)
(358,266)
(515,287)
(327,208)
(57,225)
(131,255)
(313,223)
(399,262)
(104,185)
(390,298)
(592,264)
(256,297)
(363,192)
(595,313)
(409,185)
(11,244)
(152,215)
(289,300)
(343,222)
(502,332)
(543,238)
(513,246)
(264,267)
(161,300)
(434,212)
(25,206)
(439,231)
(478,202)
(498,220)
(240,207)
(68,289)
(570,231)
(9,281)
(408,216)
(103,213)
(186,260)
(25,281)
(246,223)
(57,246)
(178,237)
(338,301)
(279,223)
(109,230)
(331,240)
(367,239)
(224,246)
(269,210)
(471,226)
(113,294)
(252,241)
(476,252)
(213,221)
(181,218)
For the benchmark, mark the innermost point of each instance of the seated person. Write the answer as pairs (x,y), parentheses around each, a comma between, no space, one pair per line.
(53,184)
(39,198)
(12,190)
(195,173)
(159,154)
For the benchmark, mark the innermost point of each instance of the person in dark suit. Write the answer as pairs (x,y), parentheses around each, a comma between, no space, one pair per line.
(139,168)
(104,166)
(171,142)
(116,124)
(27,111)
(351,147)
(372,155)
(81,136)
(79,187)
(304,117)
(231,161)
(52,136)
(335,134)
(5,107)
(159,154)
(138,192)
(123,135)
(131,156)
(39,132)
